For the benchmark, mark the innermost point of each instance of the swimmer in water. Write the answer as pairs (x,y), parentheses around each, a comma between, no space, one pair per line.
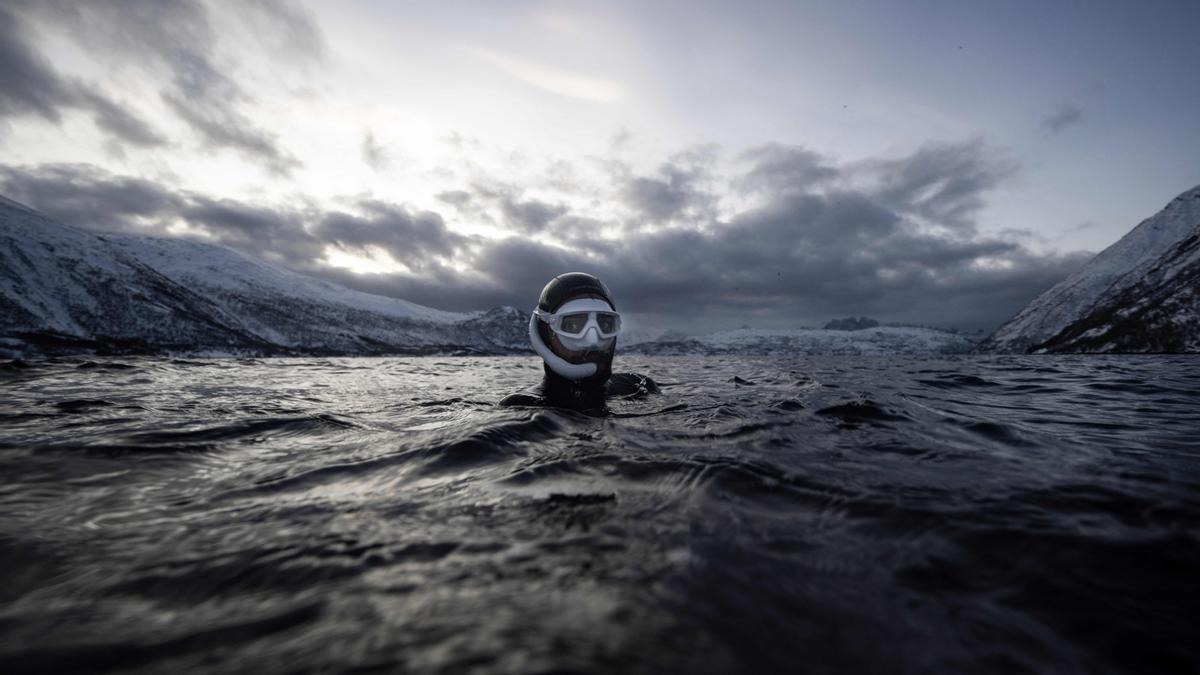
(574,329)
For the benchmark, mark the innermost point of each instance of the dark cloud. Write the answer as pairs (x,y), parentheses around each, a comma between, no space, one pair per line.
(817,256)
(279,235)
(530,215)
(671,194)
(679,191)
(86,196)
(413,238)
(1066,115)
(519,264)
(180,37)
(437,286)
(120,123)
(510,206)
(222,126)
(943,183)
(778,168)
(29,85)
(811,251)
(800,257)
(473,205)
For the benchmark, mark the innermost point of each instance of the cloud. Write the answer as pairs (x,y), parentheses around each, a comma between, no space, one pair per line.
(29,85)
(816,256)
(676,191)
(222,126)
(276,234)
(620,140)
(943,183)
(414,238)
(456,198)
(287,29)
(530,215)
(498,202)
(374,154)
(86,196)
(120,123)
(894,239)
(1067,114)
(180,37)
(778,168)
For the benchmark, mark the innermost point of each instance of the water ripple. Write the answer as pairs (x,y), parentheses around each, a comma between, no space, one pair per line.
(832,515)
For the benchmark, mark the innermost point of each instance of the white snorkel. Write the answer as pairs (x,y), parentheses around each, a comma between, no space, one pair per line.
(571,371)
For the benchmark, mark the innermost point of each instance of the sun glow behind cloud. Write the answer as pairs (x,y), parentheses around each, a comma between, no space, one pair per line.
(374,261)
(552,79)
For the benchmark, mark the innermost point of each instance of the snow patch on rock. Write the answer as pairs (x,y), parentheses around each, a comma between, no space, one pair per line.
(1125,264)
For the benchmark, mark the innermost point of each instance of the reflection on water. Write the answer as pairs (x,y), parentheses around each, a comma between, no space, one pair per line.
(818,515)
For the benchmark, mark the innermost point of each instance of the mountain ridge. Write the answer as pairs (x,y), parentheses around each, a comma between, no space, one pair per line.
(65,289)
(1158,314)
(1077,304)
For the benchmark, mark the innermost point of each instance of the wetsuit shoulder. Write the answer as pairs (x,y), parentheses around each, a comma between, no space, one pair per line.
(630,385)
(533,396)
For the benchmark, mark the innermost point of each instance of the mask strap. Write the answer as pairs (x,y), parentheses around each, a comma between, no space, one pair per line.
(571,371)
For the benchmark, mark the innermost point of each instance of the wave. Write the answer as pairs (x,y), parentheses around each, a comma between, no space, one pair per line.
(866,515)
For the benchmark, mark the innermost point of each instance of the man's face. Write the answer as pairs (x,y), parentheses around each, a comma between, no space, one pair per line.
(582,350)
(589,347)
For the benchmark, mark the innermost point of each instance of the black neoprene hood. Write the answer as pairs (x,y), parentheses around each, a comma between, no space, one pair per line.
(572,285)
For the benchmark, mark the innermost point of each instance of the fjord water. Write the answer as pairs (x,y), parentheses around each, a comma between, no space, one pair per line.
(1003,514)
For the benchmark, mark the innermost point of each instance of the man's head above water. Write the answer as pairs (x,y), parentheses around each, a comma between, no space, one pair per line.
(574,328)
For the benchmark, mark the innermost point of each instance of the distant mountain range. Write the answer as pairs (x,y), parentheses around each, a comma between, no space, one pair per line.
(1140,295)
(66,290)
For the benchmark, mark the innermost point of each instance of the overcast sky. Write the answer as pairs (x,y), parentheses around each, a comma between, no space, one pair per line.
(772,164)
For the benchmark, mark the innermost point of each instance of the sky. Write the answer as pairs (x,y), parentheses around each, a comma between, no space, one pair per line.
(717,164)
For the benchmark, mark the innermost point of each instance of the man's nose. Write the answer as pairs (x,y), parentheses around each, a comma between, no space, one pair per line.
(592,336)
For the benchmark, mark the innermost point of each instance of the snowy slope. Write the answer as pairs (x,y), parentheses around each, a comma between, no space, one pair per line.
(1159,313)
(871,341)
(146,294)
(1118,268)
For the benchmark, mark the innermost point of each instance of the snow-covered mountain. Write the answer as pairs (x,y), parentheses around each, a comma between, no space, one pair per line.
(1159,313)
(880,340)
(66,289)
(1138,295)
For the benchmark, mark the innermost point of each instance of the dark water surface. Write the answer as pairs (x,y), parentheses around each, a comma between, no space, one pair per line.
(1031,514)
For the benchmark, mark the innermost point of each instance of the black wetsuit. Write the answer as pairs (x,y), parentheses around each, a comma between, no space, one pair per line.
(556,391)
